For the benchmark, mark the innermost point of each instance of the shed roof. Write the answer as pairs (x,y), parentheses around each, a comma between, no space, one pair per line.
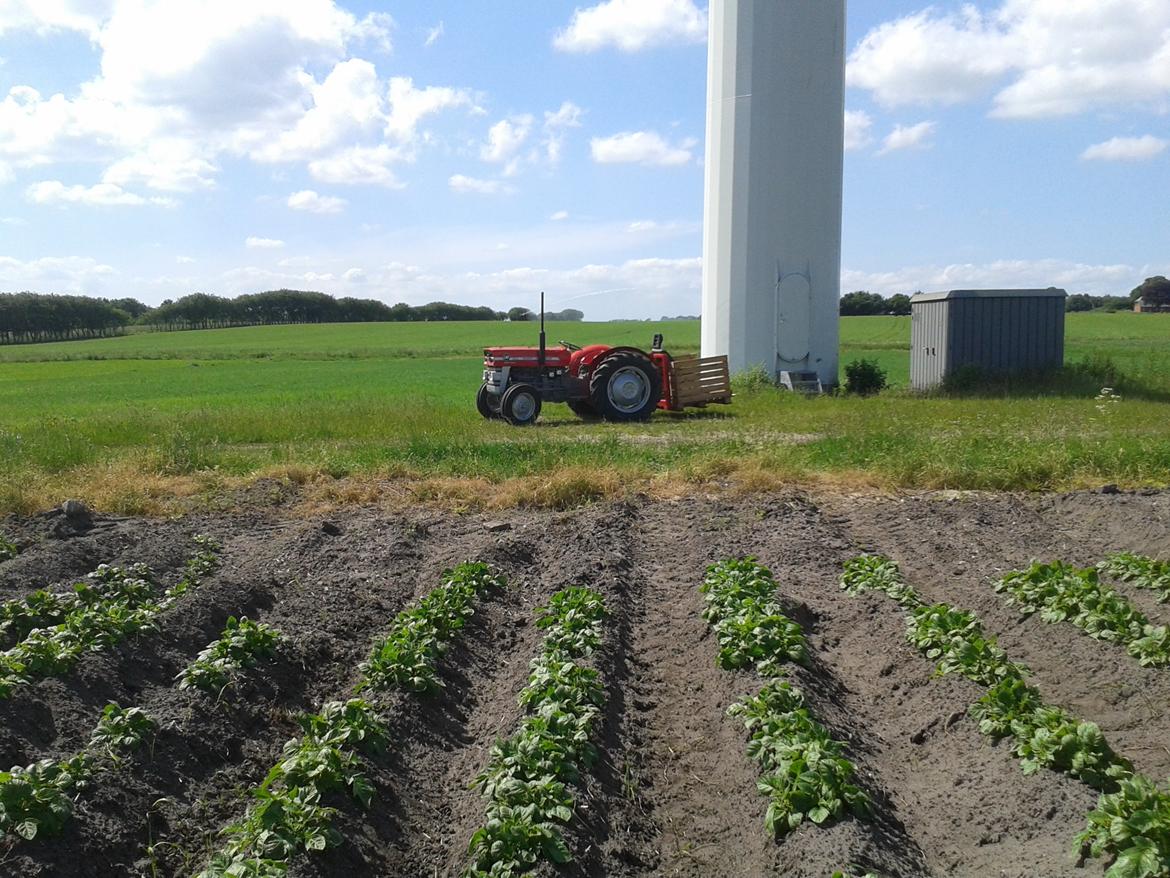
(988,294)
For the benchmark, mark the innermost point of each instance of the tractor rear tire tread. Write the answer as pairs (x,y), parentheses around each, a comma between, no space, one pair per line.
(599,386)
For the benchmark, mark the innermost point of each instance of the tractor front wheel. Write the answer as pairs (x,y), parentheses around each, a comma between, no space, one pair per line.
(520,405)
(625,387)
(487,403)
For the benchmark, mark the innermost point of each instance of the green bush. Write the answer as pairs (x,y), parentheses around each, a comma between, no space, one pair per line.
(864,378)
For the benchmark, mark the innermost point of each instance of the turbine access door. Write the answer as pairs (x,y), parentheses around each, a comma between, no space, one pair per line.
(793,321)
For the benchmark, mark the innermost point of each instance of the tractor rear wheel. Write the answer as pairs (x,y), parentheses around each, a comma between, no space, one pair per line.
(520,405)
(625,387)
(486,403)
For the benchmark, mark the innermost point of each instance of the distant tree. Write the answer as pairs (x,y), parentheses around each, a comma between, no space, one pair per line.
(569,314)
(1080,302)
(898,304)
(519,314)
(861,303)
(1155,291)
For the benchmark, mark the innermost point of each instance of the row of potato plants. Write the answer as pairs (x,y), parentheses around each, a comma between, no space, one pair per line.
(526,782)
(805,772)
(288,815)
(37,800)
(242,643)
(1140,570)
(1063,593)
(1131,823)
(53,631)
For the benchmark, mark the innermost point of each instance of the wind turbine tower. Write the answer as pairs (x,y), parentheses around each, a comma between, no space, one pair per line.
(774,167)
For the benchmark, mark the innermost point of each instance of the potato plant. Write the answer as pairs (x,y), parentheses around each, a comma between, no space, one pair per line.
(1063,593)
(1132,826)
(525,781)
(1140,570)
(806,775)
(113,604)
(750,626)
(406,657)
(241,645)
(289,815)
(1132,820)
(8,549)
(37,800)
(878,573)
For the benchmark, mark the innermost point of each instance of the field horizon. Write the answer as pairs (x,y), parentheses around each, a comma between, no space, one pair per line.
(159,422)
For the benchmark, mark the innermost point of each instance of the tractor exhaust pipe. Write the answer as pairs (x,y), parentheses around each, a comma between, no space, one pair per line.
(540,356)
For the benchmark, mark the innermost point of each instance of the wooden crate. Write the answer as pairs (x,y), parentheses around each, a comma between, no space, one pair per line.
(699,381)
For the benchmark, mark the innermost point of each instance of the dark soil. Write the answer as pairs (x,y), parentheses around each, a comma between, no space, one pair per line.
(673,793)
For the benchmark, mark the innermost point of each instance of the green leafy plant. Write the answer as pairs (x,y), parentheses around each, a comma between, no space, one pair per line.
(37,800)
(406,657)
(878,573)
(864,377)
(751,628)
(526,775)
(1063,593)
(1142,571)
(955,639)
(8,549)
(241,645)
(1132,826)
(121,728)
(806,775)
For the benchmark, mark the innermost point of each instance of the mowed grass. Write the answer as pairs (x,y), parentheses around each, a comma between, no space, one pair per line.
(130,422)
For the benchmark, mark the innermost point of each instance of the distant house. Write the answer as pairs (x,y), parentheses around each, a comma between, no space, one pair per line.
(1145,306)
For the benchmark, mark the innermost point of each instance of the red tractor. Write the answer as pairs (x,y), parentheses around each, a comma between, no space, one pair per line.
(596,381)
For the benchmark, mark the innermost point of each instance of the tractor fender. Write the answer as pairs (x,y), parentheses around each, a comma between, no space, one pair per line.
(594,362)
(586,357)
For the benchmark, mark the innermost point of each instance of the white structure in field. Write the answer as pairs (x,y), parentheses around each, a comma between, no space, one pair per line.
(775,155)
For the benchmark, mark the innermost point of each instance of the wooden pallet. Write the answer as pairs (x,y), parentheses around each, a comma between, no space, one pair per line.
(699,381)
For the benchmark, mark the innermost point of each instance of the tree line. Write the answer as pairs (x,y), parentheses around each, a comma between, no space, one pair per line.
(36,317)
(1154,290)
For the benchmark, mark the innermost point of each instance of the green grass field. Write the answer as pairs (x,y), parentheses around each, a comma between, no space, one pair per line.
(123,421)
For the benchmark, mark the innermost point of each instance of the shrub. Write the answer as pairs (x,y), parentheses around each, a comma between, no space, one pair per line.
(864,378)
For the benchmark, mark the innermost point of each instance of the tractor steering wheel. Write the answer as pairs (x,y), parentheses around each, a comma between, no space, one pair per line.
(569,346)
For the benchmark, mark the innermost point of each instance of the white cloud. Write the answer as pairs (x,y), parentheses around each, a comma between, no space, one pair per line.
(410,105)
(643,226)
(254,243)
(464,184)
(360,165)
(858,126)
(185,260)
(183,86)
(908,137)
(642,148)
(98,195)
(1045,57)
(505,140)
(434,34)
(310,201)
(1126,149)
(60,274)
(633,25)
(1075,277)
(44,16)
(555,127)
(354,276)
(559,216)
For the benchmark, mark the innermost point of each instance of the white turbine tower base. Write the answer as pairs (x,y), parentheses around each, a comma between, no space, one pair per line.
(775,155)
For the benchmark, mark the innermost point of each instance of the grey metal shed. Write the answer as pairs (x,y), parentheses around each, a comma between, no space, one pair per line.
(996,330)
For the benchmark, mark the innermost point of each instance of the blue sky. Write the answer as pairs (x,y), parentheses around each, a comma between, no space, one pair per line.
(482,152)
